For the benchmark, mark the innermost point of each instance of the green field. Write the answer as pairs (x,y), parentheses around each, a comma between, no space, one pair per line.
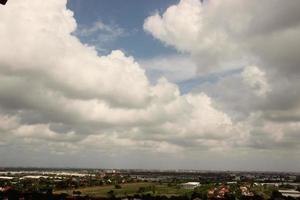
(129,189)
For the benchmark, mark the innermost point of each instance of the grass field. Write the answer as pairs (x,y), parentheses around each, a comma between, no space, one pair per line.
(129,189)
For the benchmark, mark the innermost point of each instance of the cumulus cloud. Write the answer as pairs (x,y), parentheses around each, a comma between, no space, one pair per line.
(260,40)
(221,31)
(188,27)
(58,91)
(173,28)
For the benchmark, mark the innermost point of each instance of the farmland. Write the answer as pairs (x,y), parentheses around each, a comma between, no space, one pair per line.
(129,189)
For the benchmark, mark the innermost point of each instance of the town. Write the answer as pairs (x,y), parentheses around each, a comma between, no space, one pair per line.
(35,183)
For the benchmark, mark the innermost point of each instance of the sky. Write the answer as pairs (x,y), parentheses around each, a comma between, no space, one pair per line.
(165,84)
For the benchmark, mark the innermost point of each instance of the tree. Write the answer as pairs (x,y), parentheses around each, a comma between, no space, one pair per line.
(276,194)
(76,193)
(142,189)
(153,189)
(111,194)
(117,186)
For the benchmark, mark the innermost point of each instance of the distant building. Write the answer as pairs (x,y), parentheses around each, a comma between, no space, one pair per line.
(6,178)
(291,193)
(276,184)
(34,177)
(293,178)
(231,182)
(190,185)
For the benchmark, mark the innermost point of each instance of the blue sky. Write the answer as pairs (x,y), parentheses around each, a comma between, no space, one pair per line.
(128,16)
(132,39)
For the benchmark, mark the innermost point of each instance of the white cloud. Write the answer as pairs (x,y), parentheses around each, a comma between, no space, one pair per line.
(260,35)
(60,91)
(213,35)
(179,26)
(256,79)
(188,27)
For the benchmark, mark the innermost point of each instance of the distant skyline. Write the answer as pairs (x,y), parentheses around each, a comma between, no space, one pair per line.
(166,84)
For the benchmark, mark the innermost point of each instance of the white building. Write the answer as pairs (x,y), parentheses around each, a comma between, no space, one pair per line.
(6,178)
(291,193)
(190,185)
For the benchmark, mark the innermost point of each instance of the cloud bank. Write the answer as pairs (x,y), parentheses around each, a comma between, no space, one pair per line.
(59,97)
(259,38)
